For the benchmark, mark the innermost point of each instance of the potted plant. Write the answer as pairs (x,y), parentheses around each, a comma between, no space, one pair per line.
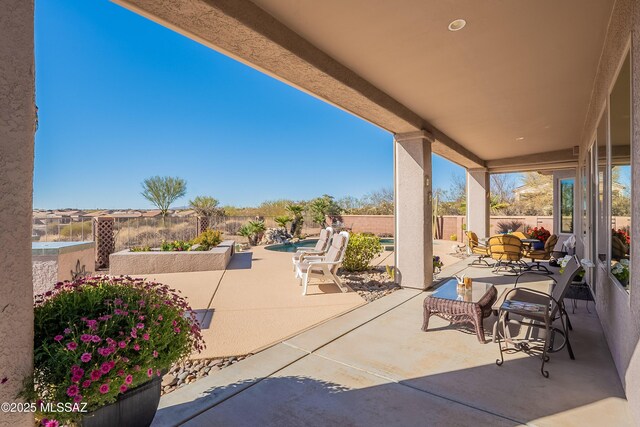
(541,234)
(437,265)
(620,270)
(101,345)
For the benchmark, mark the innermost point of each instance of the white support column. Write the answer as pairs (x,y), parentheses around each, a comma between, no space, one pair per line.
(413,214)
(478,201)
(17,125)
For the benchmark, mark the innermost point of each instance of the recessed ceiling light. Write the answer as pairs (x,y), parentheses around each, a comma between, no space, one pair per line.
(520,138)
(457,25)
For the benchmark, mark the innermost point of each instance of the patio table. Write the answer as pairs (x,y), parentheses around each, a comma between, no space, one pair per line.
(461,306)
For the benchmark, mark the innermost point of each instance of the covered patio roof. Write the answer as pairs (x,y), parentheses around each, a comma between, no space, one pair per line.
(515,81)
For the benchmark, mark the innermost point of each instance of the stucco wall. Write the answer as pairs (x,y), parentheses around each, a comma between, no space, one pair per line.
(617,310)
(67,262)
(50,269)
(45,273)
(376,224)
(130,263)
(17,118)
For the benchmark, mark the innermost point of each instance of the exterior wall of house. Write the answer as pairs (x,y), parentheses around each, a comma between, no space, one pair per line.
(618,310)
(17,125)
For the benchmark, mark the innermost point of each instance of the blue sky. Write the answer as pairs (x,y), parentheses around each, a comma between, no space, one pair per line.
(121,98)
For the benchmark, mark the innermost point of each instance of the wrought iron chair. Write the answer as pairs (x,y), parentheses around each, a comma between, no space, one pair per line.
(476,249)
(538,310)
(539,255)
(507,251)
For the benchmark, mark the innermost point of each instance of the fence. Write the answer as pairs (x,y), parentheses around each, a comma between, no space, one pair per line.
(61,229)
(144,231)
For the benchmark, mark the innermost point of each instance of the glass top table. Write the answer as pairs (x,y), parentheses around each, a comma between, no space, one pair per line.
(460,305)
(448,289)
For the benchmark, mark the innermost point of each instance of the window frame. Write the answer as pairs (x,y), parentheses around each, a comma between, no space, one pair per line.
(608,178)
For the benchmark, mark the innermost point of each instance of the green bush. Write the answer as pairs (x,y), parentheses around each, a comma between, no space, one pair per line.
(140,249)
(362,248)
(207,240)
(175,246)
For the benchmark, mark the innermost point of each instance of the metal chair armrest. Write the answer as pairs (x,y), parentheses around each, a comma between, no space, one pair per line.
(534,273)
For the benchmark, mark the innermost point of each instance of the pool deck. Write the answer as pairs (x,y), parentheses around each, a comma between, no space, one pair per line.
(255,302)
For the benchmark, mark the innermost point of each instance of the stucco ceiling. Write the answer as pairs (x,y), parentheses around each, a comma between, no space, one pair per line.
(519,69)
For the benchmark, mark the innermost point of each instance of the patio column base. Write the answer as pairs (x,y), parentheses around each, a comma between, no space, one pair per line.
(413,213)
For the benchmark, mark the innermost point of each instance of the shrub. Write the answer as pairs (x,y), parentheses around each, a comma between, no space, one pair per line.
(140,249)
(453,237)
(175,246)
(507,226)
(362,248)
(97,337)
(207,239)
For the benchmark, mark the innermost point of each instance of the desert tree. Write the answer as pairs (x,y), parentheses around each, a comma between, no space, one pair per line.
(205,206)
(162,191)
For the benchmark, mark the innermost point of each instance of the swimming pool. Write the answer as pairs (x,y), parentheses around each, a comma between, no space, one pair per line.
(387,243)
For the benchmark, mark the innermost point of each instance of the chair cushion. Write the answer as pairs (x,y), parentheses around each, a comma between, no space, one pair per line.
(538,255)
(480,250)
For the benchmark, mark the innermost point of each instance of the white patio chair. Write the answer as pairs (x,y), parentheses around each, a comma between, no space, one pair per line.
(321,247)
(326,266)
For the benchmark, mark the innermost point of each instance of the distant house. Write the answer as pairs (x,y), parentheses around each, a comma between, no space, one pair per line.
(184,213)
(154,213)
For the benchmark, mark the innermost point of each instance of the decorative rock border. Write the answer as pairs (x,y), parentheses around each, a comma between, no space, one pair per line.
(192,370)
(371,284)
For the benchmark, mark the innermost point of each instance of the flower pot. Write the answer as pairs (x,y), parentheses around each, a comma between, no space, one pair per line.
(538,246)
(134,408)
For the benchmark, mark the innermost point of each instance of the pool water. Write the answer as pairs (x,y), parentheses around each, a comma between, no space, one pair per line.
(387,243)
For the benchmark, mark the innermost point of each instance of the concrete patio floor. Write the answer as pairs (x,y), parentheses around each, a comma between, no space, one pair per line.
(255,302)
(374,366)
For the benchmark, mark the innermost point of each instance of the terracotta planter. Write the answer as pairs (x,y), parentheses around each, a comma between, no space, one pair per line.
(134,408)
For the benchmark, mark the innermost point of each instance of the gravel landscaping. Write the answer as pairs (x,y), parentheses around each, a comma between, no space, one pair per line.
(192,370)
(371,284)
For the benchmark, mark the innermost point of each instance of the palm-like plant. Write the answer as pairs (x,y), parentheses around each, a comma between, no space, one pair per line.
(297,210)
(162,191)
(253,231)
(205,206)
(283,220)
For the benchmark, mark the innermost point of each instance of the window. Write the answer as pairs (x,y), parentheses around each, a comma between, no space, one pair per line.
(584,192)
(566,205)
(620,174)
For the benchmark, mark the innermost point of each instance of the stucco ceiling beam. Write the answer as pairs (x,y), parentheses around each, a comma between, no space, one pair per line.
(245,32)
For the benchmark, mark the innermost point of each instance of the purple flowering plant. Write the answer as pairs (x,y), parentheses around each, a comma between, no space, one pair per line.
(97,337)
